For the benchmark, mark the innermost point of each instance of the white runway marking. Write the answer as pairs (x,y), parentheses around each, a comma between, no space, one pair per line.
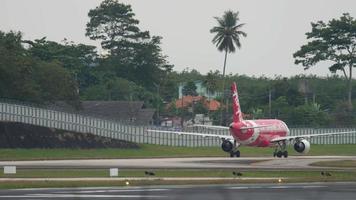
(79,196)
(277,187)
(88,193)
(112,190)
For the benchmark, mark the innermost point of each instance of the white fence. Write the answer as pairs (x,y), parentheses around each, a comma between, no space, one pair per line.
(136,133)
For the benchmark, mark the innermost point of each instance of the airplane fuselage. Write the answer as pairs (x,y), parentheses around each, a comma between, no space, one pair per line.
(259,137)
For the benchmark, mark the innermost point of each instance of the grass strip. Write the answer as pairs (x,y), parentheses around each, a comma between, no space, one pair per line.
(150,151)
(222,173)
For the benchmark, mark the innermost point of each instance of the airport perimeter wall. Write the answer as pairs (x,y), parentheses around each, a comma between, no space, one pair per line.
(14,112)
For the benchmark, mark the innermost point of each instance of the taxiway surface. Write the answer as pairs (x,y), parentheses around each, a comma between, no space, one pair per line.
(315,191)
(292,162)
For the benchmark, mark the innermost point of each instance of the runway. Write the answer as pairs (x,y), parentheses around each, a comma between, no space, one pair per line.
(315,191)
(292,162)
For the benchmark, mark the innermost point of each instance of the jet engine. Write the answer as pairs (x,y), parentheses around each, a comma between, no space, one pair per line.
(302,146)
(227,145)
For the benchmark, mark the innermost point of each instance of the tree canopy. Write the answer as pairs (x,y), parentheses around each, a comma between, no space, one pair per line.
(114,24)
(335,42)
(25,77)
(190,89)
(133,54)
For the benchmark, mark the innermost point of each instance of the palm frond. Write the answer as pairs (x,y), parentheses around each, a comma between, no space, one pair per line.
(227,32)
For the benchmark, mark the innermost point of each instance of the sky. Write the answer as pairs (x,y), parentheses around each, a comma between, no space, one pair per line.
(275,29)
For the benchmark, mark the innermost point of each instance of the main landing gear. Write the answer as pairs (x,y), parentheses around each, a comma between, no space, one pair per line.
(231,147)
(235,153)
(281,150)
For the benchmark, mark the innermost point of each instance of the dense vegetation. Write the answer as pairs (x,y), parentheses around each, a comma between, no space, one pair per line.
(134,68)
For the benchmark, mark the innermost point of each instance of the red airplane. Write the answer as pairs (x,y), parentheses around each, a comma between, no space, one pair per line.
(256,133)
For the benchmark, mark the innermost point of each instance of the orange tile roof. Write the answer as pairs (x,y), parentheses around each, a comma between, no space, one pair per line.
(186,101)
(213,105)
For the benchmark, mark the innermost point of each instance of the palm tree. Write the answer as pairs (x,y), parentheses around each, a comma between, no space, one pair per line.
(211,82)
(227,36)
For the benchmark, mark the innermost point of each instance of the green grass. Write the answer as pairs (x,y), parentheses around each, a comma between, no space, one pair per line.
(58,184)
(79,173)
(148,151)
(56,173)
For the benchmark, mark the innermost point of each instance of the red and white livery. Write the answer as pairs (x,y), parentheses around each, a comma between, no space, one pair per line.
(256,133)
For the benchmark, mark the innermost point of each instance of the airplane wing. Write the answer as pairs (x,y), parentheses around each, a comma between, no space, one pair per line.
(297,137)
(210,126)
(227,128)
(253,127)
(192,133)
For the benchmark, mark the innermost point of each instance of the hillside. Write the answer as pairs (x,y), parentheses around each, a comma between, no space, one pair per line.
(19,135)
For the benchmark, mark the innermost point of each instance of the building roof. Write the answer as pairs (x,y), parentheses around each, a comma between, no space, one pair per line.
(186,101)
(213,105)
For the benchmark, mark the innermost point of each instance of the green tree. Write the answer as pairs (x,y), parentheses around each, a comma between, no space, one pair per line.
(308,115)
(211,81)
(227,36)
(334,42)
(115,89)
(114,24)
(280,107)
(190,89)
(257,113)
(200,108)
(24,77)
(133,54)
(78,59)
(342,116)
(16,69)
(56,83)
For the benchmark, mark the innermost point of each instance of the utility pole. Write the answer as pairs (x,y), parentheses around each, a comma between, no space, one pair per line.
(314,97)
(181,109)
(158,102)
(270,103)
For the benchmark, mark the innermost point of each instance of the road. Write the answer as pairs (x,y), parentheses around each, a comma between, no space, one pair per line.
(315,191)
(292,162)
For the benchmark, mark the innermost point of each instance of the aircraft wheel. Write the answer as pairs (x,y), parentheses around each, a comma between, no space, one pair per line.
(232,154)
(279,154)
(237,153)
(285,154)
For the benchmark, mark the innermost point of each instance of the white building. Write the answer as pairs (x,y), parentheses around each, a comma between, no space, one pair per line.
(201,90)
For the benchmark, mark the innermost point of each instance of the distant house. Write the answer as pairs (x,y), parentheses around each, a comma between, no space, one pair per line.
(187,101)
(201,90)
(171,122)
(125,111)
